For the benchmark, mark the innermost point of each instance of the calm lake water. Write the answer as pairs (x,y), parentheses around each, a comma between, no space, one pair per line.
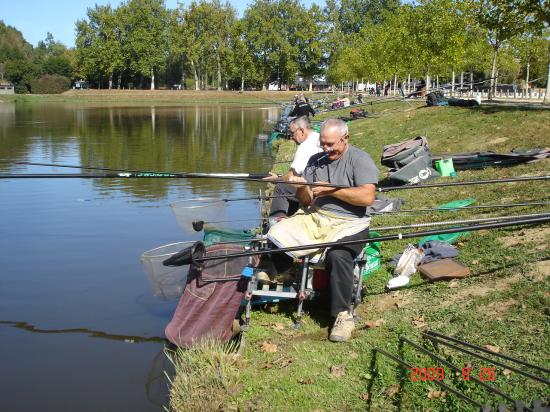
(80,329)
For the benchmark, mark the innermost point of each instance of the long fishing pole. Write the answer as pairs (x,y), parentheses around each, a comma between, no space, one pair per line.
(129,175)
(459,208)
(240,176)
(199,224)
(465,183)
(160,174)
(186,256)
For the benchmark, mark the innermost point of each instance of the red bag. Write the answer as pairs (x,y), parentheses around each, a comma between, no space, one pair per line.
(211,298)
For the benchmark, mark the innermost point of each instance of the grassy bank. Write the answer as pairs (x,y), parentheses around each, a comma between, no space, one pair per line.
(504,303)
(141,97)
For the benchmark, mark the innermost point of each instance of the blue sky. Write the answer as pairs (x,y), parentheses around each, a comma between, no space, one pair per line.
(34,18)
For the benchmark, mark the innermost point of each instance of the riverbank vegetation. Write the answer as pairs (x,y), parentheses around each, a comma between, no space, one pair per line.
(502,305)
(205,45)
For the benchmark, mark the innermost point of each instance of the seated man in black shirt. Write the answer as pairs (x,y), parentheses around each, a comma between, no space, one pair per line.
(302,108)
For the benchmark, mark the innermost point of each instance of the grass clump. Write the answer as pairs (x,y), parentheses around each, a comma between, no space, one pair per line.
(206,376)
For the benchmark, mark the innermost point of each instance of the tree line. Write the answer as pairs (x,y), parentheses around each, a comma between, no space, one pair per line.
(143,44)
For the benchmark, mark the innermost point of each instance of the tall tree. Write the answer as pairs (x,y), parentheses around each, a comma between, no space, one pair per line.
(539,13)
(502,20)
(145,24)
(311,46)
(270,32)
(99,43)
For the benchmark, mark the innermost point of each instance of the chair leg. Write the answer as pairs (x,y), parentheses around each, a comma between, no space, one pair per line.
(301,293)
(358,292)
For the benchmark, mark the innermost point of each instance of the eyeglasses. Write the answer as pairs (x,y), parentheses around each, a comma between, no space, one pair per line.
(329,145)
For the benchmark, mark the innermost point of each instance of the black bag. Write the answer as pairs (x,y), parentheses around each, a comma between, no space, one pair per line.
(436,99)
(409,161)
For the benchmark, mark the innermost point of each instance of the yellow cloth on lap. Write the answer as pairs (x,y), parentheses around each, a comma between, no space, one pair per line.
(310,226)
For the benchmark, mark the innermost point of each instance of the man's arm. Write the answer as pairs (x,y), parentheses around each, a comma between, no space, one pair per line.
(363,195)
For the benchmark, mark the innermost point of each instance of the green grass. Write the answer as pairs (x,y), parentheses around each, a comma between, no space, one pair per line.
(504,302)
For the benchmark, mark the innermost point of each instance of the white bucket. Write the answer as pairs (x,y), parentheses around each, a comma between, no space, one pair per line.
(167,282)
(206,209)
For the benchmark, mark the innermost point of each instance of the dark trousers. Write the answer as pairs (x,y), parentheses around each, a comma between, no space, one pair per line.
(285,202)
(339,263)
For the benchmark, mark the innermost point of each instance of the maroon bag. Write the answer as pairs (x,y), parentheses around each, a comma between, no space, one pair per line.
(211,298)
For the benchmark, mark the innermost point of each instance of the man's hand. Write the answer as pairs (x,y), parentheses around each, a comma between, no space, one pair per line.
(272,176)
(319,191)
(296,181)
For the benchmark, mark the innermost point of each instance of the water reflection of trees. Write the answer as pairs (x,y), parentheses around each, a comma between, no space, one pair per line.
(180,139)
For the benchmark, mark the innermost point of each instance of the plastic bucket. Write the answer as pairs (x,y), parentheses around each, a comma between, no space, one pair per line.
(205,209)
(166,282)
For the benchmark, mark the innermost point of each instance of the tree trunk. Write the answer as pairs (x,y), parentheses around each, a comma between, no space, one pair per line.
(472,81)
(111,81)
(311,84)
(196,76)
(219,71)
(527,78)
(409,84)
(547,94)
(242,81)
(152,78)
(493,88)
(395,85)
(182,80)
(453,85)
(119,85)
(461,82)
(428,85)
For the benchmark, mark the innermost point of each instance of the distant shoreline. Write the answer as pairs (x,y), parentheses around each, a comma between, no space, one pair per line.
(140,97)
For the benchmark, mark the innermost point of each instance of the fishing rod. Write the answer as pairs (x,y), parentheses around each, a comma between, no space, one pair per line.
(198,225)
(238,176)
(129,175)
(195,253)
(465,183)
(132,174)
(459,208)
(133,171)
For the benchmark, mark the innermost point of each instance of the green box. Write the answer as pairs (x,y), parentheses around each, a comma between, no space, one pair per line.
(445,167)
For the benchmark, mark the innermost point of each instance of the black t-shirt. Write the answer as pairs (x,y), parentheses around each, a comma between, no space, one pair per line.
(302,109)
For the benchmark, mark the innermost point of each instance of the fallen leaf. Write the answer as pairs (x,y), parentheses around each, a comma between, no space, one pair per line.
(268,347)
(278,326)
(364,396)
(453,284)
(475,262)
(436,394)
(419,322)
(268,365)
(353,355)
(374,323)
(337,371)
(283,362)
(306,381)
(392,390)
(492,348)
(506,372)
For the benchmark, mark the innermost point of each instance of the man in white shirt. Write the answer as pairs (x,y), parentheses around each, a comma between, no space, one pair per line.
(285,202)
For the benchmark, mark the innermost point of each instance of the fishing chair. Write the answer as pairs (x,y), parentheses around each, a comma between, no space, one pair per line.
(309,281)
